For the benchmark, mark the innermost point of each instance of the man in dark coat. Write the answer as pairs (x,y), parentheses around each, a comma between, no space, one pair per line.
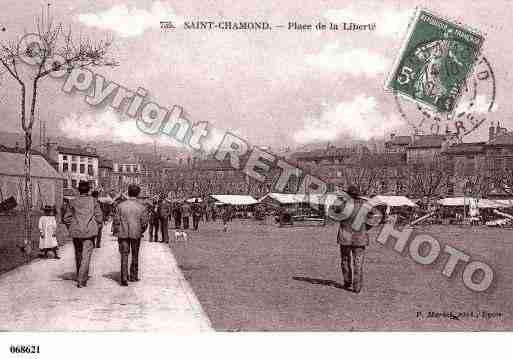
(196,214)
(164,210)
(177,215)
(154,222)
(186,212)
(353,238)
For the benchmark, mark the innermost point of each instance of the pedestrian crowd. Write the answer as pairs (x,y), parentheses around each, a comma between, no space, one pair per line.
(131,217)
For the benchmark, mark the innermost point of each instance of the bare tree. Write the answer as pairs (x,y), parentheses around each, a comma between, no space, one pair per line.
(479,185)
(426,179)
(503,180)
(365,178)
(50,49)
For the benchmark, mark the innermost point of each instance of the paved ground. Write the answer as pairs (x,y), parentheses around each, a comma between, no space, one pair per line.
(12,235)
(43,295)
(260,277)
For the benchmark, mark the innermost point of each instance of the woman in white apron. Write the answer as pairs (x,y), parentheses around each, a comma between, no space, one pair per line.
(48,233)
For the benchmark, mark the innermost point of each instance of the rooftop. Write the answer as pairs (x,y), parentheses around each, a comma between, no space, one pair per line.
(12,164)
(399,141)
(464,148)
(427,141)
(77,151)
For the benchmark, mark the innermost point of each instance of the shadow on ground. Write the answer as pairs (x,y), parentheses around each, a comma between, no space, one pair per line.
(115,276)
(318,281)
(68,276)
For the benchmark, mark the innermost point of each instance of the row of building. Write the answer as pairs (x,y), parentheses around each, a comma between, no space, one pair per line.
(421,165)
(416,166)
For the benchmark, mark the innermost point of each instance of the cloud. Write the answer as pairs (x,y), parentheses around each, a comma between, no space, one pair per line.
(130,21)
(108,126)
(333,58)
(359,118)
(390,22)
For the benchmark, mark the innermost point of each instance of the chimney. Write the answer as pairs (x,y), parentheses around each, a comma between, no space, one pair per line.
(491,133)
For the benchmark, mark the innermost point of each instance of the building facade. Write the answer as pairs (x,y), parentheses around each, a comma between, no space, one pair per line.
(76,164)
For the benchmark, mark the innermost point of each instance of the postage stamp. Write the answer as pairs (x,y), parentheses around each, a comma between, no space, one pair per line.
(476,102)
(435,62)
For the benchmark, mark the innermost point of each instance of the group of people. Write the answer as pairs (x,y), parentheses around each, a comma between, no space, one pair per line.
(162,210)
(84,220)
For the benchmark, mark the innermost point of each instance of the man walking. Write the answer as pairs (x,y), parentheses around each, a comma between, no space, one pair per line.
(154,222)
(186,212)
(353,238)
(83,216)
(131,220)
(177,215)
(164,210)
(95,195)
(196,214)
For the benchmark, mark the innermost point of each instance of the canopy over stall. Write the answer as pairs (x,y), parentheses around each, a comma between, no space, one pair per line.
(292,198)
(235,200)
(474,202)
(393,201)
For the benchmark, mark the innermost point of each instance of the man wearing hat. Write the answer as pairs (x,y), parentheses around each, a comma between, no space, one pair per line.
(353,238)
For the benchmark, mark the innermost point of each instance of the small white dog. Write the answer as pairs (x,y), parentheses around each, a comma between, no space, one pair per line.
(180,236)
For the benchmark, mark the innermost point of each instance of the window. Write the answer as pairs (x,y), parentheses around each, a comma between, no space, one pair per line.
(90,171)
(73,167)
(64,158)
(82,168)
(73,158)
(89,160)
(74,183)
(65,167)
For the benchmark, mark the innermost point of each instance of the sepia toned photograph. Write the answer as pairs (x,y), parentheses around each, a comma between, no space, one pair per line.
(186,167)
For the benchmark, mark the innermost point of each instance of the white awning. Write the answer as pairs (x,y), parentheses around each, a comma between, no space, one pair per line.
(393,201)
(454,201)
(237,200)
(473,202)
(194,199)
(505,203)
(292,198)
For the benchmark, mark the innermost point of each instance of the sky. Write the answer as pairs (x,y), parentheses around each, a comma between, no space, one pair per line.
(274,88)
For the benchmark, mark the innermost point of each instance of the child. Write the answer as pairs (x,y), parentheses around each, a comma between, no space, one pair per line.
(47,230)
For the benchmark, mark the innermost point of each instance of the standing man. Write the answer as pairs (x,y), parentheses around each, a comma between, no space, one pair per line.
(186,212)
(353,238)
(131,220)
(83,216)
(177,215)
(154,222)
(95,195)
(164,211)
(196,214)
(226,213)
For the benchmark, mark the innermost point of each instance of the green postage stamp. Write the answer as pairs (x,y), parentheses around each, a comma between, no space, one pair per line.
(435,61)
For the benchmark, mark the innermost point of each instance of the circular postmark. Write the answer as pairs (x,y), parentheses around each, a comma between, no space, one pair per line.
(471,101)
